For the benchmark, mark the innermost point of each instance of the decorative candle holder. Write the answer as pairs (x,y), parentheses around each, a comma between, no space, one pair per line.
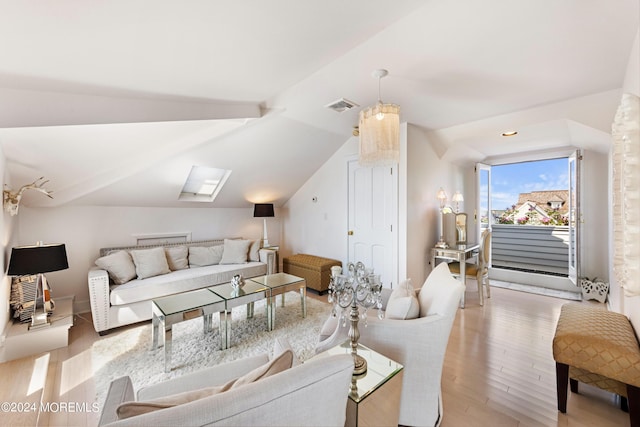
(359,287)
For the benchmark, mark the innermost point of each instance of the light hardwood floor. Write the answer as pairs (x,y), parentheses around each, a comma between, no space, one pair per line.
(498,371)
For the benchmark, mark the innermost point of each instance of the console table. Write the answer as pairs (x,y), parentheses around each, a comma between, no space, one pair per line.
(458,253)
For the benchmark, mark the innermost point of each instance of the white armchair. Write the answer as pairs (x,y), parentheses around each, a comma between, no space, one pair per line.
(311,394)
(418,344)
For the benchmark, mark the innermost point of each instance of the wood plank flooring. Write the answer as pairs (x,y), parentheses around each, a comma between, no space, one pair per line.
(498,371)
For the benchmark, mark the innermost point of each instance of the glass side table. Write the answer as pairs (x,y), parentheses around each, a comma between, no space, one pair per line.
(374,397)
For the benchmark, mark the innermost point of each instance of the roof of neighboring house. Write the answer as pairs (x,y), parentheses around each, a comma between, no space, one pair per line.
(545,198)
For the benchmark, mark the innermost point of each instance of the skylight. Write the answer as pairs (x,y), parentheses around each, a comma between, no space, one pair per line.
(203,184)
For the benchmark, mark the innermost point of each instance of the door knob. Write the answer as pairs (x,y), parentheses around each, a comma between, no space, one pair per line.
(350,232)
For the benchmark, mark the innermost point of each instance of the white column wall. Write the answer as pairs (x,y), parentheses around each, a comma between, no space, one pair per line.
(618,302)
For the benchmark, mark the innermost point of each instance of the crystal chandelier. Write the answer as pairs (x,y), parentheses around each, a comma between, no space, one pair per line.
(359,287)
(379,129)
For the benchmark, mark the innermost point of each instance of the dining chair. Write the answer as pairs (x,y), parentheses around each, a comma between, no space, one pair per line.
(479,270)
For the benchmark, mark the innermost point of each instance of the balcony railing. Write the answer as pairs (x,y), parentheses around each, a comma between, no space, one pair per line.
(537,248)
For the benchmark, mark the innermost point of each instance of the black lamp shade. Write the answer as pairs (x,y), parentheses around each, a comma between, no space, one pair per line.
(263,210)
(37,259)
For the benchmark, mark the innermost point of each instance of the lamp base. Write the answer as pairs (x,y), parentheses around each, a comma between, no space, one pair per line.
(360,365)
(442,244)
(39,321)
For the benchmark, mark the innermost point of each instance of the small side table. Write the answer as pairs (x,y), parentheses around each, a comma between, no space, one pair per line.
(374,399)
(22,342)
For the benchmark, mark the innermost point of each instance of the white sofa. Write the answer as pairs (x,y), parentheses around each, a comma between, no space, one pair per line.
(117,303)
(310,394)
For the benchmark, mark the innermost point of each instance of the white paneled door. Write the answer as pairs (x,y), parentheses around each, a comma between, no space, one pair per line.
(373,213)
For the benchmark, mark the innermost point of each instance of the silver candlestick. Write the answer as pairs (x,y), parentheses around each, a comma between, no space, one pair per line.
(359,287)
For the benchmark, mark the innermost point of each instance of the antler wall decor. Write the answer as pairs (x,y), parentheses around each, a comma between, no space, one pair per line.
(12,199)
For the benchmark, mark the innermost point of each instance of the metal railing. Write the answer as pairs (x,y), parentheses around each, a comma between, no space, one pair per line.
(537,248)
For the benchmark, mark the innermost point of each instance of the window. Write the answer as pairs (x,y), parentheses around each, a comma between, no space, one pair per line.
(203,184)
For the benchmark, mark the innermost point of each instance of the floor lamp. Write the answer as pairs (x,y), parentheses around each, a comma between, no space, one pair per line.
(263,210)
(442,198)
(39,259)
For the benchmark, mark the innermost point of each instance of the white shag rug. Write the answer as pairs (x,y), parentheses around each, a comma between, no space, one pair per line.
(128,352)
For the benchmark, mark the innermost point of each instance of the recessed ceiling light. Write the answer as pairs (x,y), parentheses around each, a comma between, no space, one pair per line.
(510,133)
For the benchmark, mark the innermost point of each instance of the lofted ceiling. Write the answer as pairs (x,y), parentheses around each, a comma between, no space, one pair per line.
(115,101)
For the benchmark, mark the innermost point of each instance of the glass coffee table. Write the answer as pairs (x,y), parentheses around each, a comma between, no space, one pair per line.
(279,284)
(235,297)
(172,309)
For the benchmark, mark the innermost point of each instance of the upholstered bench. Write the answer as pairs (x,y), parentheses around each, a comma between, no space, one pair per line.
(597,347)
(315,270)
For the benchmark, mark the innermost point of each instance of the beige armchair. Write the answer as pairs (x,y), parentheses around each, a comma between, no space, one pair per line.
(479,271)
(418,344)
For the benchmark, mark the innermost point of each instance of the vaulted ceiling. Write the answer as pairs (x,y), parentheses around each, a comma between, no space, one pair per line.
(113,102)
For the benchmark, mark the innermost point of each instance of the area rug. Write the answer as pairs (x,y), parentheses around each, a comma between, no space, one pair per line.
(128,351)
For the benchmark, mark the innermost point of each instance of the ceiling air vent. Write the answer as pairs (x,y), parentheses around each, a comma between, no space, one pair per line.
(341,105)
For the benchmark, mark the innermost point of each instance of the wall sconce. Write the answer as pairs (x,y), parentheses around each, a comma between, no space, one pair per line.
(457,197)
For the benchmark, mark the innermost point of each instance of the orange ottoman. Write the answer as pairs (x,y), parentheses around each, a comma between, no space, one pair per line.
(314,269)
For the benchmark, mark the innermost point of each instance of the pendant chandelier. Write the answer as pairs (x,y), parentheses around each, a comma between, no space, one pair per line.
(379,132)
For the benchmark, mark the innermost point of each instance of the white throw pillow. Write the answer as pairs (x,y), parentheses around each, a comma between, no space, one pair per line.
(235,251)
(254,250)
(431,299)
(177,257)
(119,265)
(150,262)
(403,303)
(199,256)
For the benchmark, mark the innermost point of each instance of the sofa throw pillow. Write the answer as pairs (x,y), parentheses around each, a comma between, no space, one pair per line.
(132,409)
(254,250)
(150,262)
(177,257)
(200,256)
(403,303)
(235,251)
(119,266)
(281,362)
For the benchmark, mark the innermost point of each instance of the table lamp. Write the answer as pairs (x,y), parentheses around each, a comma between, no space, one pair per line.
(39,259)
(263,210)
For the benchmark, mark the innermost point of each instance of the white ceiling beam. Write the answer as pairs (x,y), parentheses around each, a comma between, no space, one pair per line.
(29,108)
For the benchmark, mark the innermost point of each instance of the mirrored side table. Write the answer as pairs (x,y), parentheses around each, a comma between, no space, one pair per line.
(374,398)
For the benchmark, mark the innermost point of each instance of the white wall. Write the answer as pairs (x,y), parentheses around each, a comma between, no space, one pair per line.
(84,230)
(618,302)
(426,173)
(320,227)
(8,227)
(594,195)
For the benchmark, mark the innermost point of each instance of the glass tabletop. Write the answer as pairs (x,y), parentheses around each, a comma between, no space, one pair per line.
(380,369)
(186,301)
(276,280)
(228,292)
